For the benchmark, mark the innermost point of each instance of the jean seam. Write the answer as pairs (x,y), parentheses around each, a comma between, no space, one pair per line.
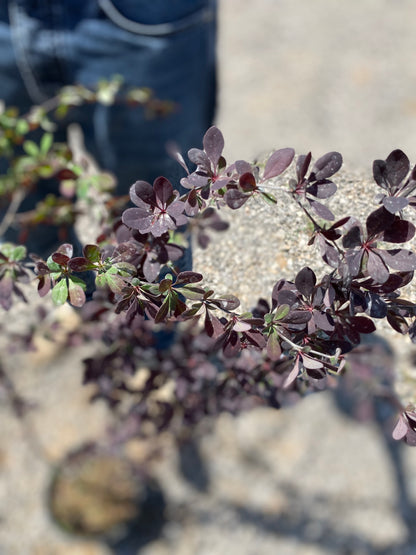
(203,15)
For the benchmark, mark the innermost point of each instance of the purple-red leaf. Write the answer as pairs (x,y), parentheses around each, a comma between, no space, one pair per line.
(378,221)
(141,193)
(60,258)
(213,142)
(322,189)
(377,268)
(247,182)
(278,162)
(302,165)
(292,375)
(361,324)
(235,198)
(401,428)
(399,259)
(327,165)
(163,190)
(400,232)
(398,166)
(395,204)
(305,281)
(273,349)
(321,210)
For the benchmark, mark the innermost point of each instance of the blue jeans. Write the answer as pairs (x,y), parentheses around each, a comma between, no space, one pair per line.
(167,45)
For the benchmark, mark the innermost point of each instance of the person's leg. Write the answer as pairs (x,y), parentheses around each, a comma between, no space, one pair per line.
(20,70)
(167,46)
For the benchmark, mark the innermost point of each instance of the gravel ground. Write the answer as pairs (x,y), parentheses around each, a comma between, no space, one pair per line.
(317,76)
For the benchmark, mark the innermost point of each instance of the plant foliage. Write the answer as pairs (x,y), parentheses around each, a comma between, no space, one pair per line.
(180,336)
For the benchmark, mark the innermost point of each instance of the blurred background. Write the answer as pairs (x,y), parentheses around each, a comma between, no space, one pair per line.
(314,75)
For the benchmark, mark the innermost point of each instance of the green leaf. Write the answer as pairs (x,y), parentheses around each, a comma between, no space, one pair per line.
(46,143)
(268,198)
(60,292)
(92,253)
(22,127)
(19,253)
(125,268)
(163,311)
(192,293)
(53,266)
(31,148)
(281,312)
(101,280)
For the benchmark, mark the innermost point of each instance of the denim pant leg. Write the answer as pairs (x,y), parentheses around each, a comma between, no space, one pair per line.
(167,46)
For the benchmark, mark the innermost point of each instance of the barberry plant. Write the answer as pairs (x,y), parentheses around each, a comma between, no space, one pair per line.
(162,323)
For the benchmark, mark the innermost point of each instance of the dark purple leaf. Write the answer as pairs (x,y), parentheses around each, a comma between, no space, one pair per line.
(242,167)
(398,166)
(321,210)
(323,320)
(79,264)
(150,269)
(380,173)
(228,302)
(378,221)
(60,258)
(191,204)
(235,198)
(376,307)
(293,374)
(322,189)
(194,181)
(232,345)
(397,322)
(400,232)
(199,158)
(213,142)
(305,281)
(298,317)
(66,249)
(141,193)
(247,182)
(353,238)
(329,253)
(285,296)
(44,286)
(361,324)
(274,349)
(278,162)
(395,204)
(256,338)
(220,182)
(163,190)
(163,311)
(302,165)
(188,277)
(377,268)
(399,259)
(327,165)
(353,259)
(138,218)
